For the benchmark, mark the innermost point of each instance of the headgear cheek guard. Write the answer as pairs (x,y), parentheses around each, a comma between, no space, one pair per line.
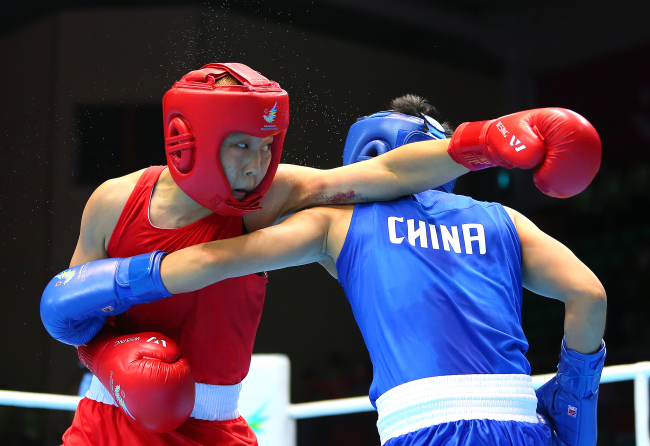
(198,116)
(376,134)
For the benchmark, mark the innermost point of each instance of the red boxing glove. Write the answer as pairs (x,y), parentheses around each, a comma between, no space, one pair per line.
(145,374)
(565,143)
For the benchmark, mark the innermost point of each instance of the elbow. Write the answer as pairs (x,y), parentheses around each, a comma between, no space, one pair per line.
(212,264)
(590,300)
(597,298)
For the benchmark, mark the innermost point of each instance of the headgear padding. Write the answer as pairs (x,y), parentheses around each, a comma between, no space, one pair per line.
(198,116)
(376,134)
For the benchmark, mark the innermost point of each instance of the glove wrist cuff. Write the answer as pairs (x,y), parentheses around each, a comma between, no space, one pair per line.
(579,374)
(468,145)
(139,279)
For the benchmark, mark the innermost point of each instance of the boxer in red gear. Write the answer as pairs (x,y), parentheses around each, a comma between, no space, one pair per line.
(168,209)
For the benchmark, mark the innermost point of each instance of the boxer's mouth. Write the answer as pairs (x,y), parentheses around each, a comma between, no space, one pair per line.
(240,194)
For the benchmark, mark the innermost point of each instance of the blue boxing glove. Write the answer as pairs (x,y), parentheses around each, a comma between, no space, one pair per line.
(568,401)
(77,302)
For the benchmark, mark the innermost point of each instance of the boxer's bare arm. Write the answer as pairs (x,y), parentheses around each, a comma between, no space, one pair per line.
(403,171)
(309,236)
(549,268)
(100,216)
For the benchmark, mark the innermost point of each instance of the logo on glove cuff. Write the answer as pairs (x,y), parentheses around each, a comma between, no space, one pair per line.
(65,277)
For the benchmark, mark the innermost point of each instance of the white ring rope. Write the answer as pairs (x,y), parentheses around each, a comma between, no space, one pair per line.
(639,373)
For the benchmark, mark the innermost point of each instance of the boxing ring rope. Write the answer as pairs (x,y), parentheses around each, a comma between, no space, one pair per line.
(639,373)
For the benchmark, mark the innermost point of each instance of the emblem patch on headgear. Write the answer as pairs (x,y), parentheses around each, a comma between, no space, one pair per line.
(269,116)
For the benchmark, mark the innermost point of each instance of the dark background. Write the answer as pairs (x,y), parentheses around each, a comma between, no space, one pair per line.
(81,91)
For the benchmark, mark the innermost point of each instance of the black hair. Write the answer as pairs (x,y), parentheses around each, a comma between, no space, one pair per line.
(413,105)
(227,80)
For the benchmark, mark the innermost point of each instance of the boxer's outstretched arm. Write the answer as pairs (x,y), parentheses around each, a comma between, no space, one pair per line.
(405,170)
(299,240)
(522,140)
(549,268)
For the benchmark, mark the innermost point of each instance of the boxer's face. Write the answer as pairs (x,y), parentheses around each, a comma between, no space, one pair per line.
(245,160)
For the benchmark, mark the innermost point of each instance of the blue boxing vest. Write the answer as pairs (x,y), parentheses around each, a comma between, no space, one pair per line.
(434,282)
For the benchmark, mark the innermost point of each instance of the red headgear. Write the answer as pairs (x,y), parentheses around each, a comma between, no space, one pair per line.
(198,116)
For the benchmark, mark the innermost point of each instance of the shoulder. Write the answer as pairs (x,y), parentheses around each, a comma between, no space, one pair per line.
(110,194)
(107,201)
(100,216)
(528,232)
(514,215)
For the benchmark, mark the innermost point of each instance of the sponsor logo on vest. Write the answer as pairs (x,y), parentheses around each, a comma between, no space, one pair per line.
(450,237)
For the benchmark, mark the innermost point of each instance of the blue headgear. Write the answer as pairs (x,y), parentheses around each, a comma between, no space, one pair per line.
(376,134)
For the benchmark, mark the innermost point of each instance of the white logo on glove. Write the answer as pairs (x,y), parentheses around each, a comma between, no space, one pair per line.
(155,340)
(515,143)
(502,129)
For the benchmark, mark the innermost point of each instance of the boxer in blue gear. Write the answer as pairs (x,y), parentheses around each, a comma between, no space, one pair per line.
(435,284)
(567,402)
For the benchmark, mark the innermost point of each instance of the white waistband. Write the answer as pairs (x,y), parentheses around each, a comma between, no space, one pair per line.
(213,403)
(443,399)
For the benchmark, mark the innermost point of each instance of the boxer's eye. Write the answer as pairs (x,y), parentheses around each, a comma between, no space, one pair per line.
(242,145)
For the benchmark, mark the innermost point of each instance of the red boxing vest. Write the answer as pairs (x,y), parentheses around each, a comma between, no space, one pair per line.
(215,327)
